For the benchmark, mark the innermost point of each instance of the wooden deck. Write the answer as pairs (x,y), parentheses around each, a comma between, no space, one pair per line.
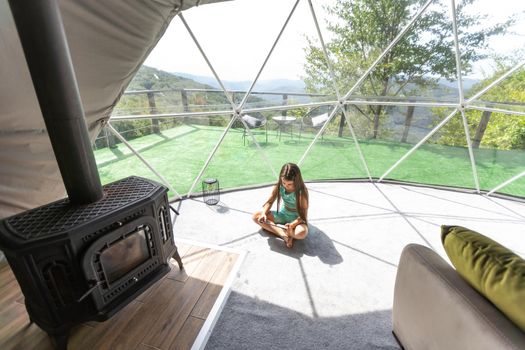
(169,315)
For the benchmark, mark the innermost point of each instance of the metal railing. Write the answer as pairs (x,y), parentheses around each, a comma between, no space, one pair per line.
(186,107)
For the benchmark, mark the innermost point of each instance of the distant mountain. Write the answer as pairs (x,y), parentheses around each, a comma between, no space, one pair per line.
(152,78)
(443,89)
(273,85)
(467,83)
(148,78)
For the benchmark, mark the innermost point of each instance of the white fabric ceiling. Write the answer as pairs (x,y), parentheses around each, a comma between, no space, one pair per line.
(108,41)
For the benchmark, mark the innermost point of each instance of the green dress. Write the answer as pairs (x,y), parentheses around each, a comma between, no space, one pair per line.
(285,216)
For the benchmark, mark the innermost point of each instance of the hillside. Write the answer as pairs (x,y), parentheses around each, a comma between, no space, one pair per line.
(156,79)
(273,85)
(444,89)
(148,78)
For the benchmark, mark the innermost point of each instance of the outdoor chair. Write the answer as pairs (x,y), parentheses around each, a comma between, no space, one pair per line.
(254,120)
(315,119)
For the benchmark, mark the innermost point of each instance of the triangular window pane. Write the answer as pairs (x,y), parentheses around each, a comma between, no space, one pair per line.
(116,161)
(279,134)
(282,81)
(421,66)
(230,33)
(238,162)
(498,147)
(178,151)
(334,155)
(491,57)
(516,188)
(442,160)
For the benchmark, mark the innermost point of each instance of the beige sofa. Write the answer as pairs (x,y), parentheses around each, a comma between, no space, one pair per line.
(434,308)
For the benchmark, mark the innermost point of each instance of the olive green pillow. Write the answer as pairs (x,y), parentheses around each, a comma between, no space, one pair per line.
(493,270)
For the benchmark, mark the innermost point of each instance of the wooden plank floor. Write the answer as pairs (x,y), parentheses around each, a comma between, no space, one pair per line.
(169,315)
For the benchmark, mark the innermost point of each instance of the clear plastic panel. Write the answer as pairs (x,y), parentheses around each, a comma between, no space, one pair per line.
(281,81)
(516,188)
(334,155)
(178,152)
(498,143)
(297,75)
(354,36)
(237,36)
(496,52)
(288,135)
(170,83)
(442,160)
(395,131)
(508,96)
(116,161)
(238,161)
(421,66)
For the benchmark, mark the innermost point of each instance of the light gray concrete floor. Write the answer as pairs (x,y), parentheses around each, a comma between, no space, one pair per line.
(357,233)
(381,218)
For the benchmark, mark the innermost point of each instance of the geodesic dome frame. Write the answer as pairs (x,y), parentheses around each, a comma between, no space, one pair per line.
(459,106)
(100,89)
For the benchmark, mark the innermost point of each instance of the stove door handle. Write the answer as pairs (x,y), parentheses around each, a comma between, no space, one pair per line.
(89,291)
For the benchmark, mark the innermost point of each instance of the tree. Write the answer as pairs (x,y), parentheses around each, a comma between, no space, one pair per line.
(492,129)
(362,29)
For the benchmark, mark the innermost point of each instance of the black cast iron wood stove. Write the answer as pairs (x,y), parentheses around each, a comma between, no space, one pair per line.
(87,256)
(77,263)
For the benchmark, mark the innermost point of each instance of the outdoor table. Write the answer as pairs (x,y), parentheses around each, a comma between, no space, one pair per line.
(283,122)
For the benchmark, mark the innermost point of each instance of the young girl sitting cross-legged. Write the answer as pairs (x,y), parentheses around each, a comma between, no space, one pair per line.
(291,189)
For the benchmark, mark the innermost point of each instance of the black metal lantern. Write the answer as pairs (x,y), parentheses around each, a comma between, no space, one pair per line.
(210,191)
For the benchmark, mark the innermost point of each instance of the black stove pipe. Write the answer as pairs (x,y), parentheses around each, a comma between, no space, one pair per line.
(43,39)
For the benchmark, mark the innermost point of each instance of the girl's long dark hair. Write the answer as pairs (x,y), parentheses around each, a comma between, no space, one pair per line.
(291,172)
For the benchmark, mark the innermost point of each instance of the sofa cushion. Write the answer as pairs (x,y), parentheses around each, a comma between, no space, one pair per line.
(492,269)
(434,308)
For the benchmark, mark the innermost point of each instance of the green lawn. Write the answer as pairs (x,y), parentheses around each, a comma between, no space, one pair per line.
(179,154)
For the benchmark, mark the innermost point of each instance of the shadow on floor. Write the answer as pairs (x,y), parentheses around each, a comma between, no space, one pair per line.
(220,208)
(317,243)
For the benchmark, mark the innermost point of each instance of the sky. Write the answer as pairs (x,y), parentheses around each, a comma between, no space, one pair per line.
(237,36)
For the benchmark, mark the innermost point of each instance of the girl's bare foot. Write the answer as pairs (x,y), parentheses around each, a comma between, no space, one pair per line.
(289,244)
(289,241)
(289,234)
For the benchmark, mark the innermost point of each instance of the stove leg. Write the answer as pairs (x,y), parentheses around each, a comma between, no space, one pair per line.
(176,256)
(61,340)
(30,323)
